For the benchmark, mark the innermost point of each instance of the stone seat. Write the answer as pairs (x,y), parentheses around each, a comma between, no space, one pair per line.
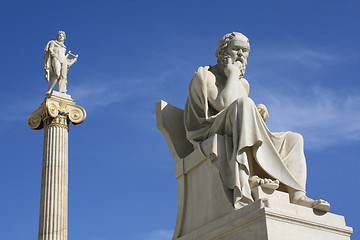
(201,196)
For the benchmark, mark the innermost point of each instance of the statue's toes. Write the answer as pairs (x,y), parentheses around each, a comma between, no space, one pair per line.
(271,185)
(322,205)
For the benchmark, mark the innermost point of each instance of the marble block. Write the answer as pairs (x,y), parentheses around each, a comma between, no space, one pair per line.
(59,96)
(273,217)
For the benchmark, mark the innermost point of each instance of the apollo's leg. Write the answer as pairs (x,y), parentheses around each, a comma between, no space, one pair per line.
(51,85)
(56,67)
(63,78)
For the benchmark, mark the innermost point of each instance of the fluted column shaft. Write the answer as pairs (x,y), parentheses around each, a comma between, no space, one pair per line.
(54,182)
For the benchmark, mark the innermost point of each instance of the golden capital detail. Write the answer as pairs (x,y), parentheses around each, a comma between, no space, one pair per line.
(55,112)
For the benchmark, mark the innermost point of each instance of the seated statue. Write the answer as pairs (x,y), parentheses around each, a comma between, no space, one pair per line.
(218,103)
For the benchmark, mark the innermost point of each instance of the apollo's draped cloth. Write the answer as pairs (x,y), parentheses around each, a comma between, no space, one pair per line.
(276,153)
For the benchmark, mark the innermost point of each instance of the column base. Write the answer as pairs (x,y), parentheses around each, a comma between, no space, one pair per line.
(273,217)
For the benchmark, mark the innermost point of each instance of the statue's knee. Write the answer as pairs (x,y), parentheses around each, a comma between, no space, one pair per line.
(296,138)
(57,75)
(245,102)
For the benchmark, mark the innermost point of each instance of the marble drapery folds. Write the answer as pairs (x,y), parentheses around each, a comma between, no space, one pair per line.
(278,154)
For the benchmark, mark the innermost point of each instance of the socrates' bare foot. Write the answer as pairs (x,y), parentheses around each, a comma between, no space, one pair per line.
(255,181)
(303,200)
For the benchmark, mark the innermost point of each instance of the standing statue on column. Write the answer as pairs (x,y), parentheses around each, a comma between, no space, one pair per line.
(56,63)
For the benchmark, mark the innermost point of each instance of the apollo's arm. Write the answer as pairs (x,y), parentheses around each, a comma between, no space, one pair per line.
(51,50)
(49,54)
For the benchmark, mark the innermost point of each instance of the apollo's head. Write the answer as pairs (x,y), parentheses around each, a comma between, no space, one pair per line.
(233,45)
(61,36)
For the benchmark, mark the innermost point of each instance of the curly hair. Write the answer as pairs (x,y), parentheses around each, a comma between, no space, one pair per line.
(61,32)
(224,42)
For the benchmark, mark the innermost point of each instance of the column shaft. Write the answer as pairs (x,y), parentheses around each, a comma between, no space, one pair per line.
(54,185)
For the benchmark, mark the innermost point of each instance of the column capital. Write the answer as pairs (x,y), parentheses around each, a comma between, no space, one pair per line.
(57,109)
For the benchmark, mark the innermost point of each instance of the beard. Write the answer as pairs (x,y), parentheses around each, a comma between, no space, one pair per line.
(240,62)
(242,66)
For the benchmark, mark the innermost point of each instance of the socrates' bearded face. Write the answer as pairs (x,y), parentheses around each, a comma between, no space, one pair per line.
(236,49)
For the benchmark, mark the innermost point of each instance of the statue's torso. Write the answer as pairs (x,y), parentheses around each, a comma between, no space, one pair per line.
(60,51)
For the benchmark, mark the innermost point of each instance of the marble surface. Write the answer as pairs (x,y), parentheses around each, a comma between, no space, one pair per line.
(272,217)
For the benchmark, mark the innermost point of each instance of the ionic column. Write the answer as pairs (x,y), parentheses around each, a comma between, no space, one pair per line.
(54,116)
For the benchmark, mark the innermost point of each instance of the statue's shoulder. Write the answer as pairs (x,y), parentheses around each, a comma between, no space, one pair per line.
(203,70)
(246,84)
(48,45)
(203,73)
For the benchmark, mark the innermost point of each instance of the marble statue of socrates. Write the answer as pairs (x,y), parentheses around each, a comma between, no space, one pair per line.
(56,63)
(218,103)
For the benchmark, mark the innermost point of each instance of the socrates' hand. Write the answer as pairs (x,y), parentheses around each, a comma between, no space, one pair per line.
(263,111)
(232,68)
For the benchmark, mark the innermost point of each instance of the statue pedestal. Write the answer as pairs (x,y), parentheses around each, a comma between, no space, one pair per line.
(273,217)
(60,97)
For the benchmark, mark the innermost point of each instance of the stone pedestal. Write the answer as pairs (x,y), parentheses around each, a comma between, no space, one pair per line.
(54,116)
(272,217)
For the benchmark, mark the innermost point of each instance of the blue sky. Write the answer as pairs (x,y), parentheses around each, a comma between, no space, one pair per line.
(303,65)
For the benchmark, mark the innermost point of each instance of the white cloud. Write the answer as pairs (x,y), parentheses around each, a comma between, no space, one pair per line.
(304,56)
(102,92)
(291,81)
(324,117)
(293,62)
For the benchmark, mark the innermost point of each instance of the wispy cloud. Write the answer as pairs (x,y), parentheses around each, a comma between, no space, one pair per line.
(291,81)
(294,62)
(304,56)
(324,117)
(19,109)
(102,92)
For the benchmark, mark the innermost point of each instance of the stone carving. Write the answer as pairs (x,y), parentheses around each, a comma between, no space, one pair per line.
(56,63)
(218,103)
(53,109)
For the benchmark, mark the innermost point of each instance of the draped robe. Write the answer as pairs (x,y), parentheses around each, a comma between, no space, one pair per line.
(279,154)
